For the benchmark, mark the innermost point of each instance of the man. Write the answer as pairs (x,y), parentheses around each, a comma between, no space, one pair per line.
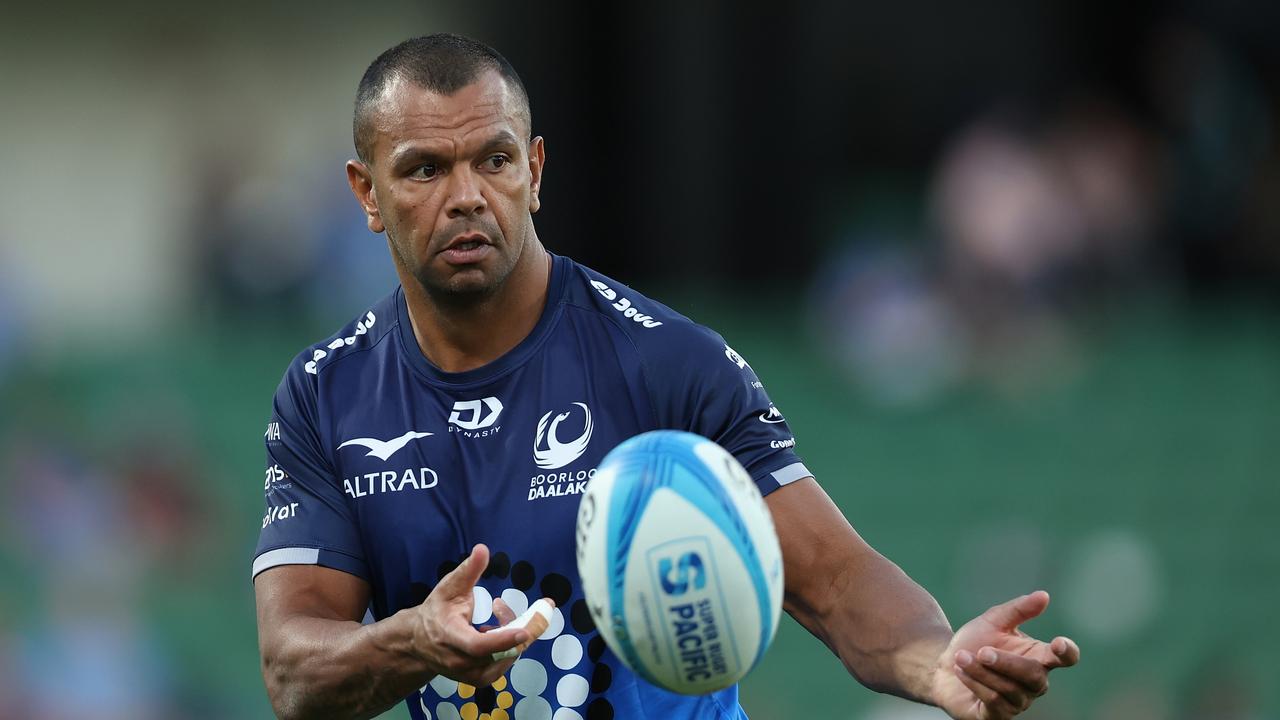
(426,462)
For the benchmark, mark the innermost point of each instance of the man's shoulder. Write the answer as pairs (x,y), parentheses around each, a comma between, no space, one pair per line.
(363,332)
(652,326)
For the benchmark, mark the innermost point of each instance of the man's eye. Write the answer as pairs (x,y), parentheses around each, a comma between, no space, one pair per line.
(497,162)
(425,171)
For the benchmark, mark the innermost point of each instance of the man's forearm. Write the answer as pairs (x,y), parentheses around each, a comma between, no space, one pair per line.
(341,669)
(886,629)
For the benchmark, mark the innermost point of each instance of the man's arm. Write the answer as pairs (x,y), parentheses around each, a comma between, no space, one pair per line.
(887,630)
(320,662)
(890,633)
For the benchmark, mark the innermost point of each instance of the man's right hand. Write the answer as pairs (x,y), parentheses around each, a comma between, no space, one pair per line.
(318,660)
(444,636)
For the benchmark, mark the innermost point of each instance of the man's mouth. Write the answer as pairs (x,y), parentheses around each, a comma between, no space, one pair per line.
(466,249)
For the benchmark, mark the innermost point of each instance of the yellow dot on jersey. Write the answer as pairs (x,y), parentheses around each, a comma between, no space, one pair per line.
(500,684)
(499,714)
(470,711)
(504,701)
(466,691)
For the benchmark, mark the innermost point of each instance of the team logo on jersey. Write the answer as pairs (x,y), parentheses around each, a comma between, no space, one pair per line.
(624,306)
(475,418)
(735,358)
(384,449)
(549,451)
(771,416)
(317,354)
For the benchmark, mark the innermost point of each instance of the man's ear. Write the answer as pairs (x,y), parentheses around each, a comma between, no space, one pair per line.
(537,158)
(360,178)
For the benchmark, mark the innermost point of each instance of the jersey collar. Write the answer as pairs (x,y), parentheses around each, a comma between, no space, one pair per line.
(485,373)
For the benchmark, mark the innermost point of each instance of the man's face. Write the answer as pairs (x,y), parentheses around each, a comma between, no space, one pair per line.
(453,181)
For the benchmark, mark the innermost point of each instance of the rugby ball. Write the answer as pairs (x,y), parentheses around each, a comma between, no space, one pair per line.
(679,561)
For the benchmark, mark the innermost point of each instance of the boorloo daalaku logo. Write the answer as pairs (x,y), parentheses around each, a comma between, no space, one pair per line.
(548,450)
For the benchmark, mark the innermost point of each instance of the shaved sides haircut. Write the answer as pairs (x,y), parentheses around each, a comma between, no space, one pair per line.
(442,63)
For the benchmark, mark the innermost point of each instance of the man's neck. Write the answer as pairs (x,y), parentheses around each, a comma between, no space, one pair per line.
(457,338)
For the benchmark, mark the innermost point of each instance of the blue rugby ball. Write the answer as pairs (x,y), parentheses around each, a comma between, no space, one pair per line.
(679,561)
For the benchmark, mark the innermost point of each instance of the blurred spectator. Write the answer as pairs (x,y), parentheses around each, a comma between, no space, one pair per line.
(253,253)
(882,317)
(1039,221)
(1033,220)
(285,242)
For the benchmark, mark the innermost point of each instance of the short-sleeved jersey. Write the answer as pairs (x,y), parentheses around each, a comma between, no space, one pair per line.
(381,465)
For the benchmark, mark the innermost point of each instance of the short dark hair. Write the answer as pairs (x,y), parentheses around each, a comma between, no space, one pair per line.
(442,63)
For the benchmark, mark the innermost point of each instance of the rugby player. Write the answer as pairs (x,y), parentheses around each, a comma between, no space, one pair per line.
(425,463)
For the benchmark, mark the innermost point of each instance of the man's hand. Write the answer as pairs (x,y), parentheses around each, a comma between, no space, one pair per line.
(444,637)
(993,671)
(318,660)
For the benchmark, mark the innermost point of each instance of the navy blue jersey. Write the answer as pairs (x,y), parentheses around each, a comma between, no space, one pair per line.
(381,465)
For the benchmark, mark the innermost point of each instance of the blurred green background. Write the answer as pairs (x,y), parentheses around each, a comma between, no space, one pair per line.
(1012,273)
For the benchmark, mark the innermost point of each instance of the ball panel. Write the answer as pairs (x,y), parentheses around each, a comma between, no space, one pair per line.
(750,506)
(593,561)
(687,628)
(706,479)
(643,471)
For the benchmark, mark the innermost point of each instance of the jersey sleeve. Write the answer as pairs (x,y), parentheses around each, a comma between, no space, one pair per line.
(307,520)
(705,387)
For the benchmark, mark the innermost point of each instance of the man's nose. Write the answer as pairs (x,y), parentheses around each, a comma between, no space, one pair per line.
(465,198)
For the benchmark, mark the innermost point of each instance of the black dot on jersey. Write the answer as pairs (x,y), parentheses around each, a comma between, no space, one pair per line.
(595,648)
(486,698)
(445,568)
(522,575)
(499,564)
(580,616)
(418,592)
(599,709)
(557,587)
(601,679)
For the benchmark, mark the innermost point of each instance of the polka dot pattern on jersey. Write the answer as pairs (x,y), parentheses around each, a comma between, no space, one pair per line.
(556,677)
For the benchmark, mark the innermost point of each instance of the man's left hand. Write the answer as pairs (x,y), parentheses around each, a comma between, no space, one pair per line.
(991,670)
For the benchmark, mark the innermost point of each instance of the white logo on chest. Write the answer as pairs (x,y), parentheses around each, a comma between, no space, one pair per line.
(548,450)
(384,449)
(475,414)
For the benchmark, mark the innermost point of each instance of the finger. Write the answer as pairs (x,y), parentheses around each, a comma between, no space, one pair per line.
(502,611)
(1013,613)
(1062,652)
(463,578)
(482,646)
(1017,678)
(995,704)
(535,621)
(1065,651)
(1030,674)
